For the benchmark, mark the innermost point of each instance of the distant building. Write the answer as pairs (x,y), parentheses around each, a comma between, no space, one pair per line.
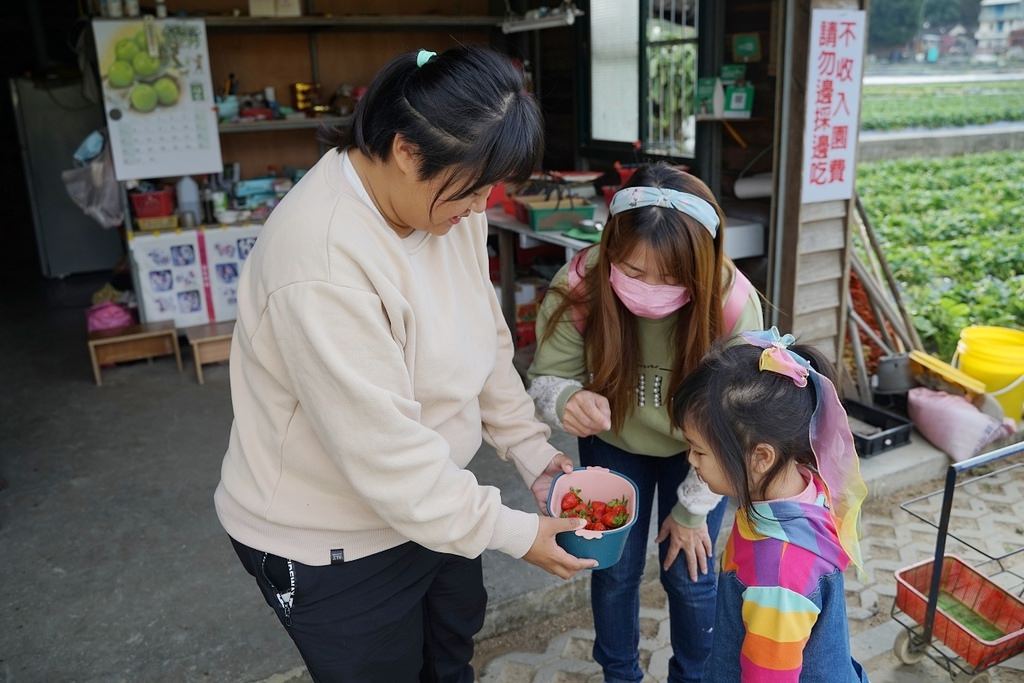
(998,18)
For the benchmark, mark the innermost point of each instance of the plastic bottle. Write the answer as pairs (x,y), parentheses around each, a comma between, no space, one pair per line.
(188,199)
(718,99)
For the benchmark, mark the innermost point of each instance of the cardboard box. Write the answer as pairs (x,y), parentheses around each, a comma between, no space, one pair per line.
(288,8)
(262,8)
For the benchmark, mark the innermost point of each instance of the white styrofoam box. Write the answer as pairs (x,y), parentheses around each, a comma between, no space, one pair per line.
(743,238)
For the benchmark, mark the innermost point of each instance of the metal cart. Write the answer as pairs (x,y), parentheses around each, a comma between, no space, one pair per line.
(965,618)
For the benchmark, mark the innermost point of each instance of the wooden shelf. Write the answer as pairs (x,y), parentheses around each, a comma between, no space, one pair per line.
(353,22)
(712,119)
(284,124)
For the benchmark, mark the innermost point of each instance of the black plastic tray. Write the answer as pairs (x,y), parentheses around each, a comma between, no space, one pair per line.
(895,429)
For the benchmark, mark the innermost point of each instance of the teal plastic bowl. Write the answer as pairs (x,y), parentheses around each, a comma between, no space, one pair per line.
(594,483)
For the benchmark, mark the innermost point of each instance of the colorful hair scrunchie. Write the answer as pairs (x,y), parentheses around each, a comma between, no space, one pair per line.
(829,433)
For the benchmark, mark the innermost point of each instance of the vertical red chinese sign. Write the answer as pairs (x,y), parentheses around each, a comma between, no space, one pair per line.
(834,68)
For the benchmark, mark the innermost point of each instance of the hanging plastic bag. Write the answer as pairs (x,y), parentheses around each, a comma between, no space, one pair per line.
(95,190)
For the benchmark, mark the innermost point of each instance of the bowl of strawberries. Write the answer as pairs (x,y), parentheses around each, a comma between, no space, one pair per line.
(607,500)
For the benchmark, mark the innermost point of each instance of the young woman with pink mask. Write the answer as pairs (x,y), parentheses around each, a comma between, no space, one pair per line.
(622,326)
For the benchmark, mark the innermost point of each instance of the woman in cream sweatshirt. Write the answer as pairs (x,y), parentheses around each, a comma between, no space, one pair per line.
(370,358)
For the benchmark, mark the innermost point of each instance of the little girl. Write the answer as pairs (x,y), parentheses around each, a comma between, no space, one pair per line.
(766,428)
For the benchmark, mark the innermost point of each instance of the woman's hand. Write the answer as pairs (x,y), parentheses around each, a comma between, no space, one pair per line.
(548,555)
(558,465)
(586,414)
(695,544)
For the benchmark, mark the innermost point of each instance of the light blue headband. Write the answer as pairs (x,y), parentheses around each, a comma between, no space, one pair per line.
(424,56)
(690,204)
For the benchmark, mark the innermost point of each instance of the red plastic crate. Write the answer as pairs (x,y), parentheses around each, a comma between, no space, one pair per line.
(526,333)
(153,204)
(976,592)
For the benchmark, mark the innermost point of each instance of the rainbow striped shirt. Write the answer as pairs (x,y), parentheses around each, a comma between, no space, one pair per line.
(779,552)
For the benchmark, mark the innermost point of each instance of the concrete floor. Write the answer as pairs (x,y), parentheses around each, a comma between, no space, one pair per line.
(117,568)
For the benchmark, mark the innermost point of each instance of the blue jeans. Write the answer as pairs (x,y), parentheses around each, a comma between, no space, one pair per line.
(615,592)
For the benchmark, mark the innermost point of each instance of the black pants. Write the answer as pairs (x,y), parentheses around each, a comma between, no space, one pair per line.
(404,615)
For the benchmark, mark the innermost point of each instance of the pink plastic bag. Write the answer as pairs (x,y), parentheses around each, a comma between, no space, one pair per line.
(952,423)
(107,316)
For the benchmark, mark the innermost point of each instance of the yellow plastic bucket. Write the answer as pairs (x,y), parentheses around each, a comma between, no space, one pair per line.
(995,356)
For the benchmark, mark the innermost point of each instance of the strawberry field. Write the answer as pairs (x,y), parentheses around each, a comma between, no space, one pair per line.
(889,107)
(953,231)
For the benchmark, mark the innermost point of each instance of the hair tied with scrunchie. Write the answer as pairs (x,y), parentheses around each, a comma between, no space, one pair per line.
(424,56)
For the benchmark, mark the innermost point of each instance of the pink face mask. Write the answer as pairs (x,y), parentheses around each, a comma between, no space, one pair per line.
(648,301)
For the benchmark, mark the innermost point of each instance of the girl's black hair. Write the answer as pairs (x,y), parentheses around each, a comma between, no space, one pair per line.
(734,406)
(466,111)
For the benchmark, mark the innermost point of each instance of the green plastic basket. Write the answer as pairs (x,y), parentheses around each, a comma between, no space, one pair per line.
(559,215)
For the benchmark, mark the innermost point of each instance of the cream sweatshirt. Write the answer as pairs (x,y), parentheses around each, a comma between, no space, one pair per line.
(365,371)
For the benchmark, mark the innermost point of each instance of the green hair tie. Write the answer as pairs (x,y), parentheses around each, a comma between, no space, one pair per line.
(424,56)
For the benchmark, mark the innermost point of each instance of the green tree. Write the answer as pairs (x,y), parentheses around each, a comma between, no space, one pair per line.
(941,13)
(969,10)
(893,22)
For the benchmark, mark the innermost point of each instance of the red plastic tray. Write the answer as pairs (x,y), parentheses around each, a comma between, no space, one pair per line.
(974,591)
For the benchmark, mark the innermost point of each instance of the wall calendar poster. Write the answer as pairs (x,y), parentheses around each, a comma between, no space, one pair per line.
(158,97)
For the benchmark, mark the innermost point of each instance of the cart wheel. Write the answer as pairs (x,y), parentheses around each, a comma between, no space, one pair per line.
(901,648)
(983,677)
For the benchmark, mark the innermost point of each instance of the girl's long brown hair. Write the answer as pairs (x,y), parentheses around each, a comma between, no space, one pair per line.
(687,253)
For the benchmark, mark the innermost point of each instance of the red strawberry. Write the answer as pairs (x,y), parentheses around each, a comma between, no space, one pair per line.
(613,519)
(571,499)
(599,508)
(597,526)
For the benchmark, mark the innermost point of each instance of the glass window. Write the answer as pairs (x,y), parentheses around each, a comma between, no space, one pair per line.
(652,101)
(672,77)
(614,70)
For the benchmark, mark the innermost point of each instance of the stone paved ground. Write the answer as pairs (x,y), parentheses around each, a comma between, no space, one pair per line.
(988,513)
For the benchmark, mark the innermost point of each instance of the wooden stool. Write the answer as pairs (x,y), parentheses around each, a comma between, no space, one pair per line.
(210,344)
(134,342)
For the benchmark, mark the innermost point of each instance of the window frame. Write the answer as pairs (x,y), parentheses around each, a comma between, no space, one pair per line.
(607,150)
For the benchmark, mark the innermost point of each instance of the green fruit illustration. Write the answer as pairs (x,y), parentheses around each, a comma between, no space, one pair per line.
(140,41)
(126,49)
(166,91)
(121,74)
(145,66)
(144,98)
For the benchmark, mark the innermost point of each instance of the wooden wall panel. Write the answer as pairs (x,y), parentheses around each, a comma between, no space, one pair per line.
(354,57)
(822,236)
(259,60)
(827,345)
(818,266)
(817,325)
(256,151)
(279,58)
(822,211)
(818,296)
